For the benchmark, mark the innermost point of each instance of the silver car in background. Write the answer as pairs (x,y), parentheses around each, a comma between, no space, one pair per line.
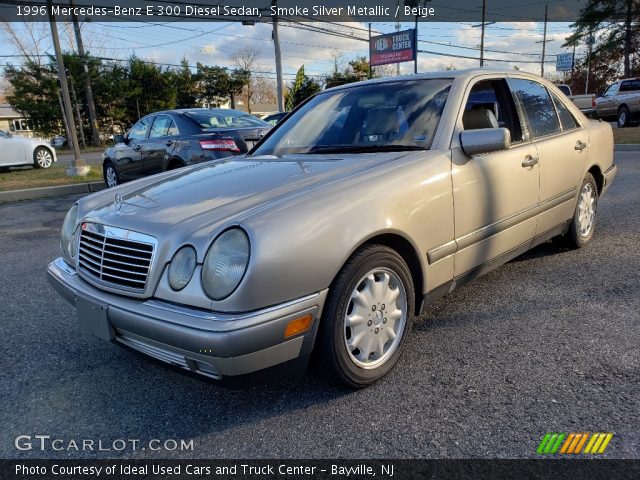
(368,203)
(16,151)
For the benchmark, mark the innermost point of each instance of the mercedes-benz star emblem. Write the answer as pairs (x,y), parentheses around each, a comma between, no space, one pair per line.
(117,202)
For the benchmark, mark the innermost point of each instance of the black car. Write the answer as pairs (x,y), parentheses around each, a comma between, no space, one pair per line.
(275,118)
(175,138)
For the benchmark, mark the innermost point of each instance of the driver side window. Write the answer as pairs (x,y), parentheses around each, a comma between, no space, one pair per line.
(139,130)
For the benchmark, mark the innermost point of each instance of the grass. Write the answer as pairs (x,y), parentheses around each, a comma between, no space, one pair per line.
(626,135)
(29,177)
(66,150)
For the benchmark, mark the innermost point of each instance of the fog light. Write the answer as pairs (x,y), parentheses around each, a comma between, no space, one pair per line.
(298,325)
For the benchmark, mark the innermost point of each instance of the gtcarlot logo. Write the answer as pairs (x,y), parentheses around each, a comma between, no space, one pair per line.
(47,442)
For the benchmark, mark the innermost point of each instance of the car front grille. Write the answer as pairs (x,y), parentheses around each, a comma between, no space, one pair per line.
(109,256)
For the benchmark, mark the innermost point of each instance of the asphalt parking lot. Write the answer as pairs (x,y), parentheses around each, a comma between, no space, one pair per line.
(549,342)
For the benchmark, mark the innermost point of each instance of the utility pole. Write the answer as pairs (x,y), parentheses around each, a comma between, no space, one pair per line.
(484,23)
(75,100)
(590,42)
(276,44)
(397,30)
(544,41)
(91,107)
(78,166)
(370,67)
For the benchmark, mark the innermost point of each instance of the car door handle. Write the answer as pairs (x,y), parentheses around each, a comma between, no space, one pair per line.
(530,161)
(580,145)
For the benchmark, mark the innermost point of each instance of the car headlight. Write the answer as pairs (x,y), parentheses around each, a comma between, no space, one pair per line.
(225,263)
(67,240)
(181,268)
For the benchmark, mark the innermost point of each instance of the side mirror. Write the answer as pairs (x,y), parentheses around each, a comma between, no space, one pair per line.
(118,139)
(485,140)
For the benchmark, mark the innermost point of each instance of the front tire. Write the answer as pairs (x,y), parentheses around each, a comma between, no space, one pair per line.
(367,316)
(583,224)
(110,174)
(624,117)
(42,157)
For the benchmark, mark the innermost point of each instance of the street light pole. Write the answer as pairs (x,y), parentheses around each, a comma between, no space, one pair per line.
(78,166)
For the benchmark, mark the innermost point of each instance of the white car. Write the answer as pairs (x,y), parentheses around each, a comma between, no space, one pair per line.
(17,151)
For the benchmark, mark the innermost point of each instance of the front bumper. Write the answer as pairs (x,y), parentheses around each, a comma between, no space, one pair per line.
(208,343)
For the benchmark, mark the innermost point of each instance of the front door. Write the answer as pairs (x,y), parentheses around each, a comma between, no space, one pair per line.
(162,135)
(495,194)
(129,155)
(11,150)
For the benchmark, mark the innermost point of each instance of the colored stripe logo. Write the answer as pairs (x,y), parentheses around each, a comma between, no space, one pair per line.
(573,443)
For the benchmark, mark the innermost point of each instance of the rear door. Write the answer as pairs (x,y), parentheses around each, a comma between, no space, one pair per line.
(562,145)
(162,136)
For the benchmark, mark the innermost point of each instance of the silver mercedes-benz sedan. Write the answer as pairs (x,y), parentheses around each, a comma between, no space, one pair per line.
(369,202)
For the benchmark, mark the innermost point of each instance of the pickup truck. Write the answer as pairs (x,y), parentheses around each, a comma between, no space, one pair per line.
(620,102)
(586,103)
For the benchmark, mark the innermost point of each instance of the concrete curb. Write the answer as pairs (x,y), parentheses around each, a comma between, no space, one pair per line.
(627,147)
(44,192)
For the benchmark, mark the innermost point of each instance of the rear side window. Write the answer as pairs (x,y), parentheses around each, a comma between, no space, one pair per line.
(567,120)
(537,105)
(161,126)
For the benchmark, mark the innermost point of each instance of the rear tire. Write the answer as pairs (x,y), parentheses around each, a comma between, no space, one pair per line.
(624,117)
(42,157)
(110,174)
(583,224)
(367,317)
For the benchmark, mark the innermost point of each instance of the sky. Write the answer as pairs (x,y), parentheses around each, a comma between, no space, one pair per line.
(214,42)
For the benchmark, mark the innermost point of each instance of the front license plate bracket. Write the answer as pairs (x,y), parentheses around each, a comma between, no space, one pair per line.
(93,318)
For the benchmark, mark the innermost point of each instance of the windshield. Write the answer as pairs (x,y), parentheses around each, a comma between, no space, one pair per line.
(224,119)
(400,115)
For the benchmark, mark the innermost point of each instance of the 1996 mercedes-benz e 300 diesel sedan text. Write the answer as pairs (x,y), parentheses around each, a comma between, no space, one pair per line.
(367,203)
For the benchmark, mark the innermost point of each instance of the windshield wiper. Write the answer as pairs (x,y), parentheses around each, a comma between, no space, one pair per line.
(363,148)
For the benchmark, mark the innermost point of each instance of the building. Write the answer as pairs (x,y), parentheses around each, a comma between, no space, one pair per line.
(12,121)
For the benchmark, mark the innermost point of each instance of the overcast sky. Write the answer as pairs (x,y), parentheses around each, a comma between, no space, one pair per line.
(213,43)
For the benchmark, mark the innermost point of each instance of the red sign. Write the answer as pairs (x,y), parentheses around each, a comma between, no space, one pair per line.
(392,48)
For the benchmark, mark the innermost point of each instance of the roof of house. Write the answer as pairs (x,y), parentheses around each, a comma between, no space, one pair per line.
(7,112)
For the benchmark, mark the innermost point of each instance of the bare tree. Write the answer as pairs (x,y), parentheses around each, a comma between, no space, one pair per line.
(246,59)
(32,40)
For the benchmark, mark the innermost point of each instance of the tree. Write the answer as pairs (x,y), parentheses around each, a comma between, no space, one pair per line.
(616,24)
(303,87)
(357,70)
(34,94)
(217,85)
(187,87)
(257,88)
(150,88)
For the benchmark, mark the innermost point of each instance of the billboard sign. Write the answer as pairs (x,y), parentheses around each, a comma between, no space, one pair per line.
(564,62)
(393,48)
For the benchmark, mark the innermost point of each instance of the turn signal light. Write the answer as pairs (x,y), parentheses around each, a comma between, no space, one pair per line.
(298,325)
(221,145)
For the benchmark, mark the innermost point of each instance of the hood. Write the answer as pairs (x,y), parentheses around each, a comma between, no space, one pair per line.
(201,197)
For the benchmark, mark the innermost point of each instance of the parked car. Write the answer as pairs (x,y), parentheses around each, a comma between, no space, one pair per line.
(58,141)
(370,201)
(620,102)
(275,118)
(175,138)
(16,151)
(586,103)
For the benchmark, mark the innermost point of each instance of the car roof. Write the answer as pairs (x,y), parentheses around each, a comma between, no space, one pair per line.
(451,74)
